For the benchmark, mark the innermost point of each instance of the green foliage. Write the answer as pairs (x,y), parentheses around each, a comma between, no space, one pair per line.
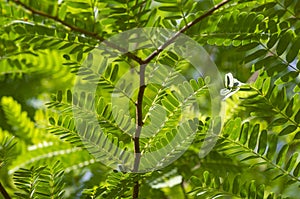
(6,150)
(21,124)
(209,186)
(254,146)
(40,182)
(117,185)
(58,140)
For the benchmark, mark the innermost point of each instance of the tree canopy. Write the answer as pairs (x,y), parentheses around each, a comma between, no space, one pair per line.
(149,99)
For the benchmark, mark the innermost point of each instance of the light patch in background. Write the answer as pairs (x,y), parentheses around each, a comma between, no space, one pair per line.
(35,103)
(169,183)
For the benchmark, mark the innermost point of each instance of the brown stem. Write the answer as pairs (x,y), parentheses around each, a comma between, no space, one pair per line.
(185,28)
(135,193)
(139,119)
(139,107)
(139,125)
(77,29)
(4,192)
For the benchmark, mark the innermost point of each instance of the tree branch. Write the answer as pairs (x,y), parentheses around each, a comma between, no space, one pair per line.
(185,28)
(4,192)
(80,30)
(139,107)
(135,193)
(139,125)
(139,118)
(143,64)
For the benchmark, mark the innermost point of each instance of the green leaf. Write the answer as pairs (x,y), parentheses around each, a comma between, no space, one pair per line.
(114,72)
(253,137)
(65,46)
(262,144)
(207,177)
(236,184)
(69,96)
(248,46)
(236,129)
(266,86)
(296,170)
(51,121)
(272,146)
(244,191)
(169,8)
(272,25)
(66,56)
(81,5)
(289,76)
(76,49)
(293,51)
(165,1)
(287,130)
(291,162)
(281,155)
(297,117)
(226,184)
(272,41)
(257,54)
(252,190)
(289,109)
(279,121)
(244,133)
(297,8)
(281,97)
(297,136)
(284,41)
(260,192)
(59,96)
(79,56)
(228,127)
(287,3)
(20,30)
(195,180)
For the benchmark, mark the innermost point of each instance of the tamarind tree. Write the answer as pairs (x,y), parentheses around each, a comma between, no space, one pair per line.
(149,99)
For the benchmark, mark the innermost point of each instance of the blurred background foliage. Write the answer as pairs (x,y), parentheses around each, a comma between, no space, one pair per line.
(42,44)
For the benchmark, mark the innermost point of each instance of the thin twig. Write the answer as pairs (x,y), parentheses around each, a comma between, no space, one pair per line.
(139,125)
(80,30)
(185,28)
(4,192)
(135,193)
(139,117)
